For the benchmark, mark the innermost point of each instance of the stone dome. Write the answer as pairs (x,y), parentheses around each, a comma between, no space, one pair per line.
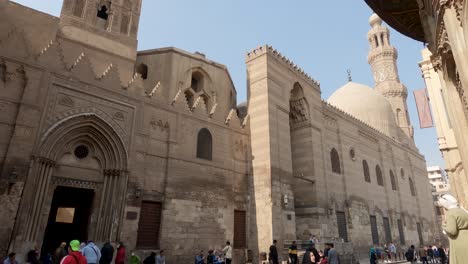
(367,105)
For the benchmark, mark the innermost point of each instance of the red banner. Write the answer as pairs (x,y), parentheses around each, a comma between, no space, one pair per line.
(424,110)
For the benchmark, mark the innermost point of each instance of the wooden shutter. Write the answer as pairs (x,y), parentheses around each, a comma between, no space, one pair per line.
(342,227)
(149,225)
(401,231)
(374,230)
(240,229)
(388,231)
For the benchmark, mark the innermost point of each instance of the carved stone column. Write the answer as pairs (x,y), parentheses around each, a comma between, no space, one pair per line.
(111,206)
(43,171)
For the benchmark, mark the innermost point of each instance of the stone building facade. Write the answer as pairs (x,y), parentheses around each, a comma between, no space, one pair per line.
(442,25)
(101,141)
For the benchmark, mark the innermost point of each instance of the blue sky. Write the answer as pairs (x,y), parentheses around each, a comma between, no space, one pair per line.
(325,38)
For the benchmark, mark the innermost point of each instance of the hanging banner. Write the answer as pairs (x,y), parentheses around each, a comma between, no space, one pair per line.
(424,110)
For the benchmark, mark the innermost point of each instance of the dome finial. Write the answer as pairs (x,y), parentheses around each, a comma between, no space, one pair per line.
(375,20)
(350,77)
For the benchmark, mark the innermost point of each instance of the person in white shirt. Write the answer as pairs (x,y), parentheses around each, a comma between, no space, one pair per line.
(228,252)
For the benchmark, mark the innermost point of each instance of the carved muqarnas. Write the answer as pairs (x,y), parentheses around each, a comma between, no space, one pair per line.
(461,94)
(298,113)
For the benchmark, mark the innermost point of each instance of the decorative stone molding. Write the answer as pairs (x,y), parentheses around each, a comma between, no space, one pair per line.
(119,116)
(461,94)
(66,101)
(266,49)
(75,183)
(159,124)
(154,90)
(298,113)
(330,121)
(112,172)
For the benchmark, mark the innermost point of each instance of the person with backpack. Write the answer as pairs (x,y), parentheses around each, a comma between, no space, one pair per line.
(373,256)
(74,255)
(411,255)
(92,253)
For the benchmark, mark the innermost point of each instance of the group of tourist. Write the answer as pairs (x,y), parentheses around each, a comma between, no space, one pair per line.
(425,254)
(216,257)
(86,253)
(311,255)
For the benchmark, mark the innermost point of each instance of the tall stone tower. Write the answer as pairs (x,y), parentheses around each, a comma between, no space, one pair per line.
(382,59)
(107,25)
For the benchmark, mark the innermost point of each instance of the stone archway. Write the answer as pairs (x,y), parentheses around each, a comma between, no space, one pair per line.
(81,133)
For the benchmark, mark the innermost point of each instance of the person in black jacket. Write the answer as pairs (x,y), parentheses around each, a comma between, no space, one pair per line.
(273,256)
(151,259)
(107,253)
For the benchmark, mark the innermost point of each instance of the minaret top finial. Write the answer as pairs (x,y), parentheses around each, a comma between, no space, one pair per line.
(375,20)
(350,77)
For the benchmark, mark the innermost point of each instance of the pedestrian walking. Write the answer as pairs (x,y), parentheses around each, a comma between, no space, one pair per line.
(273,255)
(293,253)
(151,259)
(333,257)
(74,255)
(373,256)
(227,250)
(411,255)
(442,255)
(200,258)
(91,252)
(60,253)
(11,259)
(107,253)
(311,256)
(210,259)
(134,258)
(160,258)
(121,254)
(422,252)
(393,252)
(32,257)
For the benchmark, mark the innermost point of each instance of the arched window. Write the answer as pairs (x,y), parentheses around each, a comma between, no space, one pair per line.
(142,69)
(376,41)
(197,82)
(78,8)
(365,168)
(204,144)
(335,161)
(103,12)
(378,174)
(393,180)
(411,186)
(402,173)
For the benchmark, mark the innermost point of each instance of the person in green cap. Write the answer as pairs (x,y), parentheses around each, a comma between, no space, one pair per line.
(74,254)
(134,259)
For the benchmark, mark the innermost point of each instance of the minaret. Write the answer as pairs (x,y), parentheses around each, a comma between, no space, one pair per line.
(108,25)
(382,59)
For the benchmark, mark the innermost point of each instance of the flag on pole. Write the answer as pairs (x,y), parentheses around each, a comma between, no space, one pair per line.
(424,110)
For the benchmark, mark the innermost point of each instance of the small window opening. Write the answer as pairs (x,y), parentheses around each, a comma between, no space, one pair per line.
(103,12)
(204,144)
(142,69)
(194,84)
(376,41)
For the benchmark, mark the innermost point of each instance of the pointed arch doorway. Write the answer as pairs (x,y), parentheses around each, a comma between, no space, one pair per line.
(78,183)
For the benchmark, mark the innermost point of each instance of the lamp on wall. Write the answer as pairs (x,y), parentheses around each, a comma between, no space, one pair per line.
(285,199)
(137,192)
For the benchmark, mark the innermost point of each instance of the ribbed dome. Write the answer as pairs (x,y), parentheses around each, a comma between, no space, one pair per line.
(366,105)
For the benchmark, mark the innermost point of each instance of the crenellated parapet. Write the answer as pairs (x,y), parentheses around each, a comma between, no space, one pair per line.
(266,49)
